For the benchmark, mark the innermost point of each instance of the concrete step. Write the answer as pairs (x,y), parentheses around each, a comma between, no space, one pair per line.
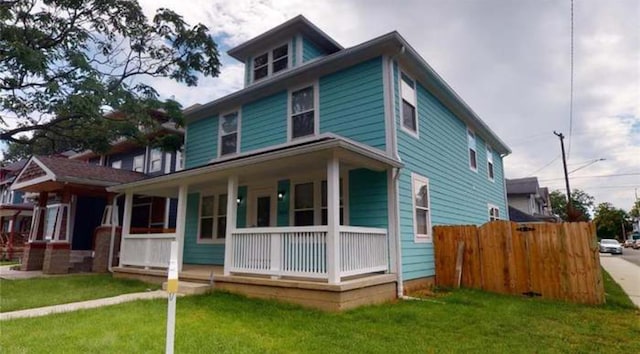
(190,288)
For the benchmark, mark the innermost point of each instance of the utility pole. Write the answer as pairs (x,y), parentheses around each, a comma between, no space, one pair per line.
(566,177)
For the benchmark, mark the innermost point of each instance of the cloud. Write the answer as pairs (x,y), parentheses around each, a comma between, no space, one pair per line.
(508,60)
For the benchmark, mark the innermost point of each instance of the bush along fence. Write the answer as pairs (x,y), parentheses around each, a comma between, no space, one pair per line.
(556,261)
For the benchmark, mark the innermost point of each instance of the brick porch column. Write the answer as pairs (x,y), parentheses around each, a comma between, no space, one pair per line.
(33,252)
(56,258)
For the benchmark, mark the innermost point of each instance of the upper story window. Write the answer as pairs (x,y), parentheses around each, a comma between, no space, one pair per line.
(409,104)
(155,164)
(229,129)
(494,212)
(179,160)
(116,164)
(473,158)
(138,163)
(303,117)
(422,209)
(490,163)
(271,62)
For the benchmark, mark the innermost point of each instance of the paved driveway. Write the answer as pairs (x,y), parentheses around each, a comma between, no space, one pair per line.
(631,255)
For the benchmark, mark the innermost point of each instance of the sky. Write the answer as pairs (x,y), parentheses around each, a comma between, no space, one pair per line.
(509,60)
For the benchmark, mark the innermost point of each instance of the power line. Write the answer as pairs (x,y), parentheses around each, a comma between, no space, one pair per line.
(545,166)
(596,176)
(571,90)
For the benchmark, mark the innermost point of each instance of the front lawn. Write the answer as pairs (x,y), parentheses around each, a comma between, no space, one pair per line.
(38,292)
(464,320)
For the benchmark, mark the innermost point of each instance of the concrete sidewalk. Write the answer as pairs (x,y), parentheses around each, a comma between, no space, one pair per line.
(43,311)
(625,273)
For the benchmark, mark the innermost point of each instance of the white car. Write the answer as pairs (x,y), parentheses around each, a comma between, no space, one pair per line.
(612,246)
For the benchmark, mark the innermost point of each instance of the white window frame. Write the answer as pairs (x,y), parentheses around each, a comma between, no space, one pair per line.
(269,64)
(155,155)
(490,209)
(490,164)
(470,146)
(116,164)
(216,217)
(238,111)
(317,179)
(138,160)
(421,238)
(316,110)
(409,99)
(59,212)
(179,160)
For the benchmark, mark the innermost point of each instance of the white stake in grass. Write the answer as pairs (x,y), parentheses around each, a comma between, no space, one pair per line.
(172,289)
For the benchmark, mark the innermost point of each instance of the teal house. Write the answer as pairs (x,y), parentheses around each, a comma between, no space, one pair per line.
(320,181)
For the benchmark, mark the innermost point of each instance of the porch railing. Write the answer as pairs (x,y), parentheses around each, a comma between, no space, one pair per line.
(302,251)
(146,250)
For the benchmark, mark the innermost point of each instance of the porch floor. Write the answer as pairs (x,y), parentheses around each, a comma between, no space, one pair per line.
(349,293)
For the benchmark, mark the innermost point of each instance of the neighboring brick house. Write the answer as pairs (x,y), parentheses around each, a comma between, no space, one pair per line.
(329,167)
(15,213)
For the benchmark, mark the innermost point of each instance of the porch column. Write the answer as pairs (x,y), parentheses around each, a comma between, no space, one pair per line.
(181,222)
(126,217)
(232,210)
(33,252)
(333,220)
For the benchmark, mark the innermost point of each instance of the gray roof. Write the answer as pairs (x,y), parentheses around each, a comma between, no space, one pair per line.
(527,185)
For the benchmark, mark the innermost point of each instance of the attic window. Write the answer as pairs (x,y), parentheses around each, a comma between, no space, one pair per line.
(271,62)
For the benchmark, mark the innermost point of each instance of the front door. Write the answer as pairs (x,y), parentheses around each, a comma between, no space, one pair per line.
(262,207)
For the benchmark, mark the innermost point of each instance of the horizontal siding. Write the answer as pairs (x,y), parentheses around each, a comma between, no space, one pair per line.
(458,195)
(368,198)
(202,142)
(310,50)
(264,122)
(352,105)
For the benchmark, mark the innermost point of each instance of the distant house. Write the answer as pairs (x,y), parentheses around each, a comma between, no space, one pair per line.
(528,202)
(15,213)
(73,203)
(319,181)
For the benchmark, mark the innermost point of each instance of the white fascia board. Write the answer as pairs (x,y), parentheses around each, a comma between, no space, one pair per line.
(49,176)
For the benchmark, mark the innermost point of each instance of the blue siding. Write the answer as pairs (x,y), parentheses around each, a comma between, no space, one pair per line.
(126,158)
(310,50)
(264,122)
(368,198)
(458,195)
(352,103)
(202,142)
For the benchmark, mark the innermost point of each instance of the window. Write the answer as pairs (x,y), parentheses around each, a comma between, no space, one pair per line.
(138,163)
(156,160)
(490,163)
(303,117)
(494,212)
(179,161)
(303,204)
(324,209)
(422,209)
(473,162)
(409,113)
(213,218)
(271,62)
(229,124)
(116,164)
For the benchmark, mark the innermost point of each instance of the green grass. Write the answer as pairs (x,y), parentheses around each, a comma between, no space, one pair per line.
(2,263)
(39,292)
(460,321)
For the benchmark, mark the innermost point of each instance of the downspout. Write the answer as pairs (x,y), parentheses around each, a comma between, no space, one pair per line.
(114,204)
(396,178)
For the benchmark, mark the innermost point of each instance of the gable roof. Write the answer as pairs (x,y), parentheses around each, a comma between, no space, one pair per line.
(41,169)
(526,185)
(391,44)
(298,24)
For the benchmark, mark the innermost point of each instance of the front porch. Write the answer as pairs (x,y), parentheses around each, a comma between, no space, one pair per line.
(315,218)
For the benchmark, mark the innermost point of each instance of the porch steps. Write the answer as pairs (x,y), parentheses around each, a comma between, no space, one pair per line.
(80,261)
(190,288)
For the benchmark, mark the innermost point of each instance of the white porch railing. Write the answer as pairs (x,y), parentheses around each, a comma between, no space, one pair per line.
(146,250)
(302,251)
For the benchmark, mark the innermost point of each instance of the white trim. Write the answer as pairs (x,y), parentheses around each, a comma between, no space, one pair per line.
(238,113)
(490,161)
(167,162)
(133,166)
(232,210)
(167,206)
(421,238)
(388,116)
(49,175)
(269,64)
(415,134)
(146,160)
(316,110)
(158,153)
(116,164)
(179,160)
(490,208)
(316,178)
(299,50)
(333,220)
(471,133)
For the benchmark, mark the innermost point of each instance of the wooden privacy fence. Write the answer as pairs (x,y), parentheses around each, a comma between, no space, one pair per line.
(558,261)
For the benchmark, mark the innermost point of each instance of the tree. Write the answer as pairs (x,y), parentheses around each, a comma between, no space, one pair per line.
(635,210)
(73,71)
(581,203)
(610,221)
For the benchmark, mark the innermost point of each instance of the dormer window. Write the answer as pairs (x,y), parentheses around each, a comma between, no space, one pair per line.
(271,62)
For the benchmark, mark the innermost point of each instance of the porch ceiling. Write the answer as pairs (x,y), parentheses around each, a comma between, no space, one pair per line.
(280,162)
